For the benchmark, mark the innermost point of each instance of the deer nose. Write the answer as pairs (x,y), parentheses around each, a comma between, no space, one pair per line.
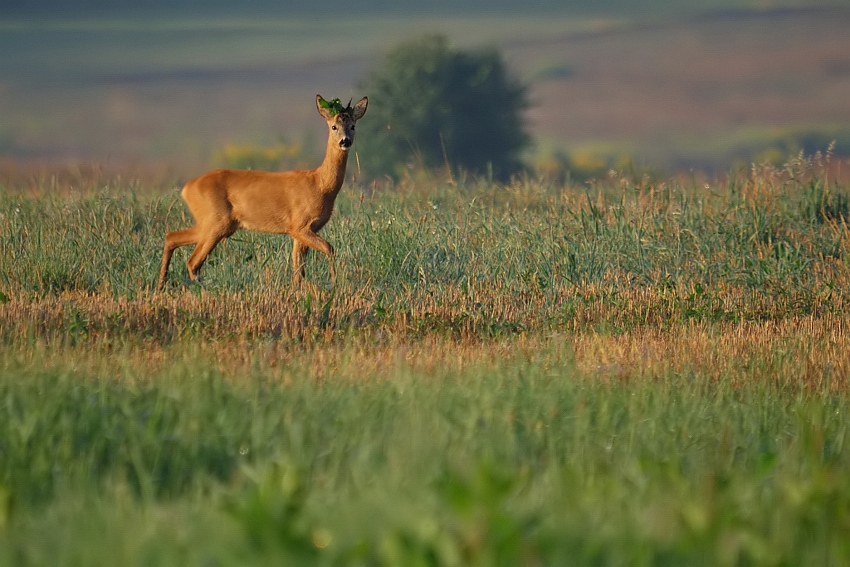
(345,143)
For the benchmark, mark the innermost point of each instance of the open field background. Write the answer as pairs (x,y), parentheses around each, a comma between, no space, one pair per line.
(641,371)
(706,85)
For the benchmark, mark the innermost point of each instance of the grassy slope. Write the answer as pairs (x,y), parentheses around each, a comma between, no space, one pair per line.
(643,372)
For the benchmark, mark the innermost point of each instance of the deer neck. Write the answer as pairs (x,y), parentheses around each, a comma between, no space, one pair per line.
(331,173)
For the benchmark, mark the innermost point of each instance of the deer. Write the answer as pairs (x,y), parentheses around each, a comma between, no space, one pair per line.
(298,202)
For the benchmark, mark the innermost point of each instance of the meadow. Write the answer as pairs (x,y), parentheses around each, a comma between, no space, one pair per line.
(637,370)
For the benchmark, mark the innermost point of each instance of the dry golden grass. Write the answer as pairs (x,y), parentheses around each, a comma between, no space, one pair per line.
(242,337)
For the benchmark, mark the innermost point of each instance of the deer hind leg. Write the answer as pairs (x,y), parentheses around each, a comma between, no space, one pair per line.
(204,246)
(299,259)
(309,238)
(174,240)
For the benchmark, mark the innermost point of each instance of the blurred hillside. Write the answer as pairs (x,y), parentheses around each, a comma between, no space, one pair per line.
(662,84)
(167,8)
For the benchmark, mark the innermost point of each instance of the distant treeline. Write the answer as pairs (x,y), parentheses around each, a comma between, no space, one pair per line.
(120,8)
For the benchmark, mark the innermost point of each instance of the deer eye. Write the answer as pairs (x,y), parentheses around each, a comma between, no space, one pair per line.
(333,127)
(352,127)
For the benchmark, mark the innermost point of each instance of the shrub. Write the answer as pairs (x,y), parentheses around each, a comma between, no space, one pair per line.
(435,105)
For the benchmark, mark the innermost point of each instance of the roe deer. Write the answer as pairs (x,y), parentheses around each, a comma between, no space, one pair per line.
(297,203)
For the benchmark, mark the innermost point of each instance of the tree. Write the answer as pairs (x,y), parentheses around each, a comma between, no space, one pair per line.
(433,104)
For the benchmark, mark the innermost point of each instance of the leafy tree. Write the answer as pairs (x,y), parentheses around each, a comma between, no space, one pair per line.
(434,104)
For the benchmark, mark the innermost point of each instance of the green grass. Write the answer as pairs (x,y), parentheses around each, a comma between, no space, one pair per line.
(636,371)
(521,459)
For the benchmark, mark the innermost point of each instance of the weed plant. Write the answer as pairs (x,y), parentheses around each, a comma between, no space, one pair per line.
(634,371)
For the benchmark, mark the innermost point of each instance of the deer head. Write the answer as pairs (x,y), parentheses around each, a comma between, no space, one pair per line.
(341,119)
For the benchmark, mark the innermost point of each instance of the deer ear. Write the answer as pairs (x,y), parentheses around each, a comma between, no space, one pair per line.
(360,108)
(323,107)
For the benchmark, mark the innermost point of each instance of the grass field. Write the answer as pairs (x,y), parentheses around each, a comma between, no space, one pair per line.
(632,371)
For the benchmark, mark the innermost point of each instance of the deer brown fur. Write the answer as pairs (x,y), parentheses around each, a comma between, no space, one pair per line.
(298,203)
